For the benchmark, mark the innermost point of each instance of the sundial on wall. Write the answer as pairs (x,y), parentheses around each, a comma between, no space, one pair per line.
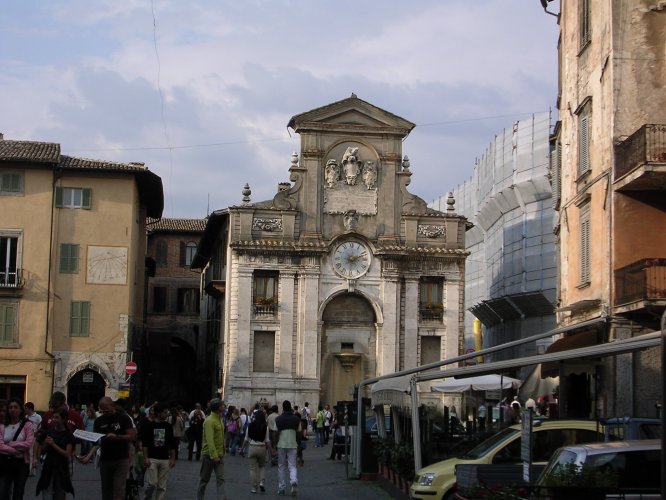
(107,265)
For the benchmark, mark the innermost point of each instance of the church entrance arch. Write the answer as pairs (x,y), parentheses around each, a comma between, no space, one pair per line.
(348,346)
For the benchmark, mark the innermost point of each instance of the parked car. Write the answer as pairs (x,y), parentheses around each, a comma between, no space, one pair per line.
(437,481)
(625,428)
(631,469)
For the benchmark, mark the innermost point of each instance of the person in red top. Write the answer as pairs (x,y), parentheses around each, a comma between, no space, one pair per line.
(59,400)
(74,419)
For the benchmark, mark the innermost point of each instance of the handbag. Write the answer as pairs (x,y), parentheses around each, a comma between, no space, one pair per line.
(131,487)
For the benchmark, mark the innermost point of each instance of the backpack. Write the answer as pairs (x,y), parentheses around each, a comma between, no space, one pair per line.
(232,426)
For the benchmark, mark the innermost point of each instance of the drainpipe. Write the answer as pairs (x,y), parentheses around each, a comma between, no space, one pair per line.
(56,175)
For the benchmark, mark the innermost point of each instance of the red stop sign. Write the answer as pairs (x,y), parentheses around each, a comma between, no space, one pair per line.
(130,367)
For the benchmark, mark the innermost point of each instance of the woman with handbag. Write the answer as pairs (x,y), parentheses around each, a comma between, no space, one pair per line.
(58,444)
(16,437)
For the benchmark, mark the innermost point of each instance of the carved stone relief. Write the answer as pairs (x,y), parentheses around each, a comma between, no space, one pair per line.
(263,224)
(431,231)
(343,189)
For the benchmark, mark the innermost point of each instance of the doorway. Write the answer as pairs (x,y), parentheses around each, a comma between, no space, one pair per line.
(85,387)
(348,347)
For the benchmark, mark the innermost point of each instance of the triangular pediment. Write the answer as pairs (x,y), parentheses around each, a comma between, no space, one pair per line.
(350,113)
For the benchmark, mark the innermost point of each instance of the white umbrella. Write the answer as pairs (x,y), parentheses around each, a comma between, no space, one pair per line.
(481,383)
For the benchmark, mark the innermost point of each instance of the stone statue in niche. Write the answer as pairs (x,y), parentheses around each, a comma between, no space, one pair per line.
(332,173)
(351,165)
(350,220)
(370,174)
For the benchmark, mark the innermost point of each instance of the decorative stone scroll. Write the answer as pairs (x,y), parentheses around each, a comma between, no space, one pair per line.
(263,224)
(431,231)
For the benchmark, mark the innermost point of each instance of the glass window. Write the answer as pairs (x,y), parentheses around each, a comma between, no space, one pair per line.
(431,305)
(79,320)
(69,258)
(73,197)
(188,300)
(8,320)
(190,252)
(9,261)
(11,183)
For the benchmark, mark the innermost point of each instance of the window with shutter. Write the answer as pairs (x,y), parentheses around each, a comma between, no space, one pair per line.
(8,327)
(79,320)
(73,197)
(69,258)
(161,257)
(585,244)
(190,252)
(584,144)
(11,183)
(584,15)
(10,258)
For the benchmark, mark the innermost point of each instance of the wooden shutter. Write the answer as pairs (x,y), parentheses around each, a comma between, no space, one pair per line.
(86,198)
(58,197)
(183,250)
(585,244)
(584,145)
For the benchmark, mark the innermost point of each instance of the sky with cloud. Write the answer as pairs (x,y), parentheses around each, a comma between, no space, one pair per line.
(202,91)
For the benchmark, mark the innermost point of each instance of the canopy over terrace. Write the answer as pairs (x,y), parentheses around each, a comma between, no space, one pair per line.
(489,382)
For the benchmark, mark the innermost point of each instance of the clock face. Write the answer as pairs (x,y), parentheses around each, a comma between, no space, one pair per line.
(351,259)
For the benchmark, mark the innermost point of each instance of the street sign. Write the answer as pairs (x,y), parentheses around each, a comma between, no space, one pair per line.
(130,367)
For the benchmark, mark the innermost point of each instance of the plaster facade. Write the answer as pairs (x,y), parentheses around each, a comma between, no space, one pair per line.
(610,175)
(78,294)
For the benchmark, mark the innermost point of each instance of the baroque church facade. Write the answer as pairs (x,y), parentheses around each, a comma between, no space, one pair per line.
(344,275)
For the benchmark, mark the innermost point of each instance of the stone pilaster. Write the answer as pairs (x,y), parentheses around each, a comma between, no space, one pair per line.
(388,341)
(285,341)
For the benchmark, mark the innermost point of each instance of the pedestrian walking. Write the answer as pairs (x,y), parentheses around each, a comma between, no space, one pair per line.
(195,431)
(159,452)
(16,439)
(58,445)
(258,442)
(119,432)
(213,450)
(178,426)
(288,426)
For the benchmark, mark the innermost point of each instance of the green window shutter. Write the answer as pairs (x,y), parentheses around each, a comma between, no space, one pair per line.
(79,321)
(86,198)
(69,258)
(58,197)
(584,145)
(7,324)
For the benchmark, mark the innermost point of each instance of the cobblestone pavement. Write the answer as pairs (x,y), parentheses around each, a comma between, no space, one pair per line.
(319,479)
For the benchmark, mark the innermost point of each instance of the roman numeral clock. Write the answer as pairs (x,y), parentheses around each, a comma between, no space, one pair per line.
(351,259)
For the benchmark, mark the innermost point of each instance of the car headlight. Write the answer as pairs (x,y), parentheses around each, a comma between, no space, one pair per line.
(427,479)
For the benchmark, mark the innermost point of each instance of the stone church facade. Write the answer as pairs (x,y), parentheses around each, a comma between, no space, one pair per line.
(344,275)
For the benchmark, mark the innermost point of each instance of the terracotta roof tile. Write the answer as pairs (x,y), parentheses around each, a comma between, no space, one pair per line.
(29,151)
(88,164)
(177,225)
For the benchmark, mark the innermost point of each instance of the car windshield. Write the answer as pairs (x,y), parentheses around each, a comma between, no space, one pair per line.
(483,448)
(561,458)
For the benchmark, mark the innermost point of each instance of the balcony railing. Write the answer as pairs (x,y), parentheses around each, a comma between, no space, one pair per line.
(642,280)
(264,309)
(11,278)
(646,145)
(429,313)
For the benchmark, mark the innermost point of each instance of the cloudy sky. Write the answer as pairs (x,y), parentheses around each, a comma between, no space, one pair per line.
(202,91)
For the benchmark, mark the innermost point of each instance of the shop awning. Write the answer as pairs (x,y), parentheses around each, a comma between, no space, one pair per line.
(572,341)
(392,391)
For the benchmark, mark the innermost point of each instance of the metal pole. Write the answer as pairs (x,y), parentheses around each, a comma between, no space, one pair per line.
(416,424)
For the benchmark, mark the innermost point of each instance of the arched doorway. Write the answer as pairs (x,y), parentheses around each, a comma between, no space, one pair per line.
(172,373)
(348,346)
(86,386)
